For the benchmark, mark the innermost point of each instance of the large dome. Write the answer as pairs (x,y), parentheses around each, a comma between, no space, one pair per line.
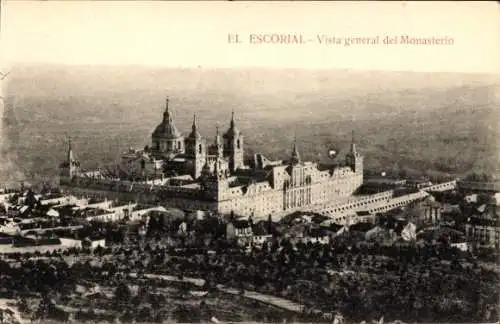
(167,129)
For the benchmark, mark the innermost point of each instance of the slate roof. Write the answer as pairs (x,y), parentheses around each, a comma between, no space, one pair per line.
(361,227)
(261,229)
(240,224)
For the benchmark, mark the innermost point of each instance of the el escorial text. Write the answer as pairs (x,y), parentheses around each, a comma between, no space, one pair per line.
(327,39)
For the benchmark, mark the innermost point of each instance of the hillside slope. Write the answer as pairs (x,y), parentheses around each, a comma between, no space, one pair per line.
(420,123)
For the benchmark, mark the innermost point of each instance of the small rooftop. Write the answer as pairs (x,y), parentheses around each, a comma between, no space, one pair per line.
(475,221)
(141,207)
(318,232)
(52,196)
(240,223)
(92,212)
(261,229)
(361,227)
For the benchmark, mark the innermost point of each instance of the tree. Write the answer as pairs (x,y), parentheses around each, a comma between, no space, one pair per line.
(44,308)
(145,314)
(183,314)
(122,294)
(30,199)
(22,305)
(358,261)
(157,301)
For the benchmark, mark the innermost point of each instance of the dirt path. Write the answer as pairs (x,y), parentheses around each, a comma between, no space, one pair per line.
(264,298)
(17,315)
(267,299)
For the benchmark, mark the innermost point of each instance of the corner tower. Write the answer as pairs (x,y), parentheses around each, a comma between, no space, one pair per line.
(214,184)
(196,150)
(295,158)
(353,159)
(70,167)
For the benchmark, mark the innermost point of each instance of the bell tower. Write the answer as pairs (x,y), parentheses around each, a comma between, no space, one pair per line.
(218,144)
(295,158)
(196,149)
(233,146)
(70,167)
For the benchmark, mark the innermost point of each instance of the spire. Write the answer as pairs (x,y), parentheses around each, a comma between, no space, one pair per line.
(217,135)
(295,153)
(232,118)
(166,114)
(194,129)
(218,147)
(353,143)
(218,172)
(70,150)
(232,132)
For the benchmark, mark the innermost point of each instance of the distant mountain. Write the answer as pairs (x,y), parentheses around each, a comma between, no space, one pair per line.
(75,79)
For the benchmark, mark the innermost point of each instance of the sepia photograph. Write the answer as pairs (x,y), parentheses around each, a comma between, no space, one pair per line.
(249,162)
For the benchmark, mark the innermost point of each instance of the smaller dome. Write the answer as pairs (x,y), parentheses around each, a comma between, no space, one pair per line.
(194,134)
(206,169)
(295,155)
(194,130)
(233,131)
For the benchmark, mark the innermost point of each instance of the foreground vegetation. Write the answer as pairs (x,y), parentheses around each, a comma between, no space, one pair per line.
(361,282)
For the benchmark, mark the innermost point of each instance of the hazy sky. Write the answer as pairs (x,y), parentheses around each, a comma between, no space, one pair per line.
(190,34)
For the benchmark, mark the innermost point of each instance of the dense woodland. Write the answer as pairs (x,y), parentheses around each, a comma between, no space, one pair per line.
(433,284)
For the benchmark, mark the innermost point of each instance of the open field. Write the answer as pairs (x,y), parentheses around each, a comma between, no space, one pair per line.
(421,123)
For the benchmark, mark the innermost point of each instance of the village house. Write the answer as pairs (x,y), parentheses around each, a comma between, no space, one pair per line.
(460,244)
(486,211)
(103,204)
(93,242)
(365,217)
(430,211)
(261,233)
(418,183)
(484,232)
(443,235)
(239,232)
(319,236)
(361,229)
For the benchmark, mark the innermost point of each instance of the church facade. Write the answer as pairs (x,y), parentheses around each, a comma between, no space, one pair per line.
(188,172)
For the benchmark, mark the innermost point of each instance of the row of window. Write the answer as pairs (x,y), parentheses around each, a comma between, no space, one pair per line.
(297,198)
(365,203)
(172,145)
